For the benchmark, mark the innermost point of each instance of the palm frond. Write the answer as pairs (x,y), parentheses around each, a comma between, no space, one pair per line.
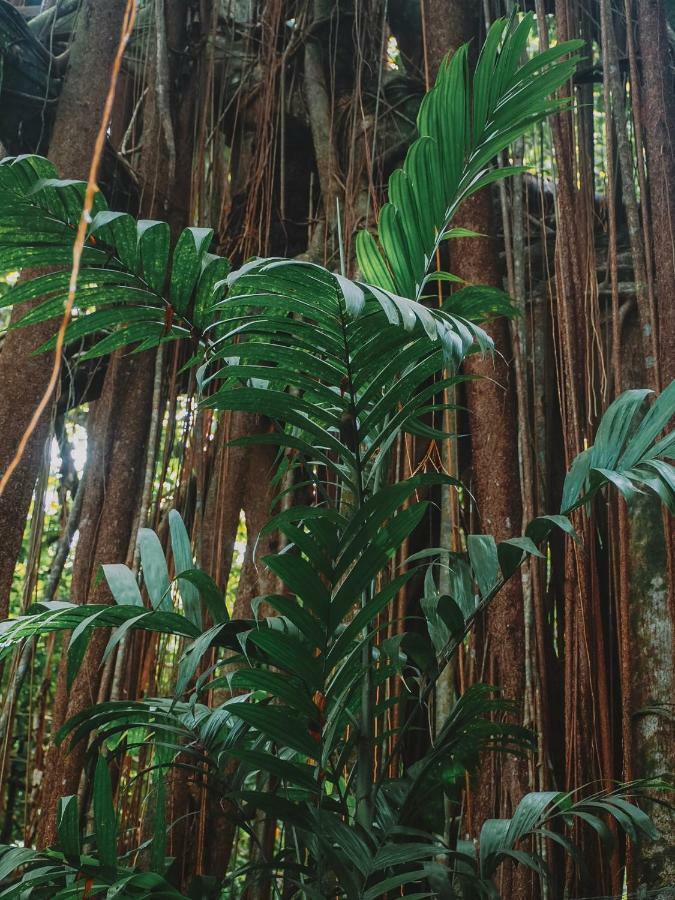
(630,452)
(62,869)
(305,348)
(122,296)
(540,813)
(463,125)
(195,590)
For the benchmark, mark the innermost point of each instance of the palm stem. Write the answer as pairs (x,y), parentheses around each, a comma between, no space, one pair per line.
(365,740)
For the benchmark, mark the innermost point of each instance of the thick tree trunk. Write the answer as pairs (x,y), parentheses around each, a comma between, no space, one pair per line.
(658,121)
(241,482)
(495,480)
(495,484)
(651,644)
(116,462)
(225,497)
(652,640)
(115,465)
(24,377)
(652,594)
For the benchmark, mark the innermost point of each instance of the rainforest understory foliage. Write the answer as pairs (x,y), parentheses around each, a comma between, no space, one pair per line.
(336,488)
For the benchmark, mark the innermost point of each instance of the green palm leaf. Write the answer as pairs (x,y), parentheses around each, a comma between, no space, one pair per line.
(628,452)
(538,811)
(305,348)
(463,124)
(122,292)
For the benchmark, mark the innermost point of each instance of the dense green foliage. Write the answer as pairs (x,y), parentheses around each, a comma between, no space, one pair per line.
(340,368)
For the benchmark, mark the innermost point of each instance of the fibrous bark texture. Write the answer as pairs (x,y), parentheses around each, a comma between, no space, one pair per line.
(658,113)
(114,473)
(495,481)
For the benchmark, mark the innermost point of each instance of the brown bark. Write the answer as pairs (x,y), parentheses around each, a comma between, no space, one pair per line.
(653,595)
(495,480)
(245,472)
(495,485)
(115,465)
(24,377)
(658,121)
(586,716)
(225,497)
(494,451)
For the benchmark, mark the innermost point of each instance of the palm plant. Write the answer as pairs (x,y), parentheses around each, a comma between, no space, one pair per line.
(296,712)
(340,368)
(74,867)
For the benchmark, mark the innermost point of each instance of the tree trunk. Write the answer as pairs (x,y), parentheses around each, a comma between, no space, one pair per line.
(225,497)
(653,732)
(24,377)
(115,465)
(495,484)
(255,579)
(658,120)
(118,431)
(651,642)
(495,480)
(245,474)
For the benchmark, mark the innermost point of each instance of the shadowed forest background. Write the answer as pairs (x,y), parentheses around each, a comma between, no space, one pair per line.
(277,123)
